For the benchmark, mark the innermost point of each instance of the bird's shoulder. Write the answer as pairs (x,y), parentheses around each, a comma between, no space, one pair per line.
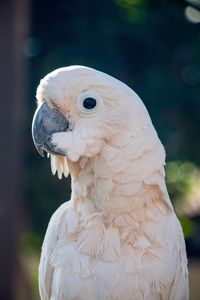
(63,221)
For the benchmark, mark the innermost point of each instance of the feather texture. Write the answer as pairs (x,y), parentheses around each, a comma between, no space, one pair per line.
(118,238)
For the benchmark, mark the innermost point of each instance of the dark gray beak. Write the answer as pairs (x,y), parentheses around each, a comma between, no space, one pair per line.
(47,121)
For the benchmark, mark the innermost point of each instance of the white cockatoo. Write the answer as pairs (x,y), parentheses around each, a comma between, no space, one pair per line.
(118,237)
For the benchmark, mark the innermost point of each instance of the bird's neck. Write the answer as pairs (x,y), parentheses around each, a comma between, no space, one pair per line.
(112,186)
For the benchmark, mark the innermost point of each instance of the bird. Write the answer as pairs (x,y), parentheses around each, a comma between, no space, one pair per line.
(118,237)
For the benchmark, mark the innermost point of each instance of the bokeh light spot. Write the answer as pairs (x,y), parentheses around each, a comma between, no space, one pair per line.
(192,14)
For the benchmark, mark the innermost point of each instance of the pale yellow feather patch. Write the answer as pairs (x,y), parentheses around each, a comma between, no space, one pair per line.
(59,165)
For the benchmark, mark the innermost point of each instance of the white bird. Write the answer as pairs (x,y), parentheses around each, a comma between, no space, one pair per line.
(118,238)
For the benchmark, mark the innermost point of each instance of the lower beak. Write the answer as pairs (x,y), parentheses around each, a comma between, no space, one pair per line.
(47,121)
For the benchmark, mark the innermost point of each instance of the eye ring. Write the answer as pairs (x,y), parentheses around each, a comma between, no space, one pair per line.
(89,102)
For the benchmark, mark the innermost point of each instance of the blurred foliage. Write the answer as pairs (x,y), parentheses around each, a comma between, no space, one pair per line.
(188,226)
(133,10)
(30,261)
(154,47)
(181,178)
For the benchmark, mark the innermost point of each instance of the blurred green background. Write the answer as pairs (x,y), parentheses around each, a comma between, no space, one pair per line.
(151,45)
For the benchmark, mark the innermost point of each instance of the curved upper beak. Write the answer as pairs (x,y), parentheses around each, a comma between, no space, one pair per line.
(47,121)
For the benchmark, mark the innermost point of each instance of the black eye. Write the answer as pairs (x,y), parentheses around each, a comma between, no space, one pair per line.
(89,103)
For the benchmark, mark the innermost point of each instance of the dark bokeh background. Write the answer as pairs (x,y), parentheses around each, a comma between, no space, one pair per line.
(154,47)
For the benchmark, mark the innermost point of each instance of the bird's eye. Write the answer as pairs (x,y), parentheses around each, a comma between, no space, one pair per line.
(89,103)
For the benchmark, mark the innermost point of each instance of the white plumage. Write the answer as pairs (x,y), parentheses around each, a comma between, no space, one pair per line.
(118,237)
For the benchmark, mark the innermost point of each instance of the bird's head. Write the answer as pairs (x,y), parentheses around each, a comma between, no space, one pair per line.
(80,110)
